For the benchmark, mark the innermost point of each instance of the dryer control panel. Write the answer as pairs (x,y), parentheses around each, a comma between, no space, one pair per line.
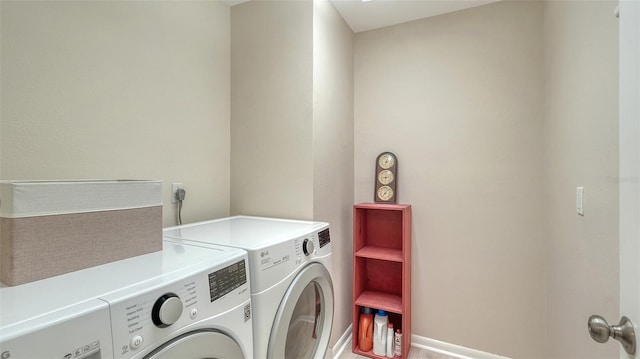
(313,244)
(324,237)
(271,264)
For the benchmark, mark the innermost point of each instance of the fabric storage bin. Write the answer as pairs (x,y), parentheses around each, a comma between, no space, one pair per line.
(49,228)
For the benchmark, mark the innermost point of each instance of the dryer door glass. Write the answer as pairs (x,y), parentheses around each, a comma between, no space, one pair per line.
(302,326)
(202,344)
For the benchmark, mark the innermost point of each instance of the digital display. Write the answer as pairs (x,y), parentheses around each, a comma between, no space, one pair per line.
(227,279)
(324,237)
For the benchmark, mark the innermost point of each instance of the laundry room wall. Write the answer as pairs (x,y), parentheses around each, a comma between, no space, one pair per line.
(272,109)
(119,90)
(333,149)
(292,123)
(581,149)
(459,99)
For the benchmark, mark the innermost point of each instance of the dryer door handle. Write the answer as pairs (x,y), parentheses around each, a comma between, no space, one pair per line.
(318,312)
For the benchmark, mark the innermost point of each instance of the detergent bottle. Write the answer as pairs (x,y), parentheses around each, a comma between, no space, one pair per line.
(365,330)
(398,343)
(380,333)
(390,350)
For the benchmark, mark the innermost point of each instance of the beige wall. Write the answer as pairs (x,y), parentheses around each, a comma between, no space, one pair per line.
(497,113)
(333,148)
(501,261)
(272,109)
(119,90)
(149,96)
(459,99)
(581,149)
(292,123)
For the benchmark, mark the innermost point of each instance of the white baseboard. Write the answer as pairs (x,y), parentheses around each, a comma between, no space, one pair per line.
(452,350)
(343,344)
(431,345)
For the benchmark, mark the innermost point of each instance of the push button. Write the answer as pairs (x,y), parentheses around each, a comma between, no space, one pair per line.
(136,342)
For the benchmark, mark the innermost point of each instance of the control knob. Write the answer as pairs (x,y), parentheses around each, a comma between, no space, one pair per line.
(166,310)
(307,247)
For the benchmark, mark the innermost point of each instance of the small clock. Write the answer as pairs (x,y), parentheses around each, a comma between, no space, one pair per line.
(386,178)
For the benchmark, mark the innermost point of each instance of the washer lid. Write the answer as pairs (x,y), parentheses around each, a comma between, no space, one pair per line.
(245,232)
(199,344)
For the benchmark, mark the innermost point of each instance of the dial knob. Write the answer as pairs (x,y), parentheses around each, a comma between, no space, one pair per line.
(307,247)
(166,310)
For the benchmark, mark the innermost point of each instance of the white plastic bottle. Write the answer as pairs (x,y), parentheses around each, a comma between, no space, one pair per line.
(390,351)
(380,333)
(398,343)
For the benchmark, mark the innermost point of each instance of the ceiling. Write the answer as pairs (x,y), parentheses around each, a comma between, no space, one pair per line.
(372,14)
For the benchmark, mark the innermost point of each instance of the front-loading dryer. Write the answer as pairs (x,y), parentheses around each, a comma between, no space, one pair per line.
(181,302)
(291,285)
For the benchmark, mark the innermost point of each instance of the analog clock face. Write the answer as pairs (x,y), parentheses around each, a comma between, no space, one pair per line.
(385,193)
(385,176)
(386,161)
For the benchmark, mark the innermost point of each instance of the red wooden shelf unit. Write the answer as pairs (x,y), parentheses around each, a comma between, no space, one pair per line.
(382,267)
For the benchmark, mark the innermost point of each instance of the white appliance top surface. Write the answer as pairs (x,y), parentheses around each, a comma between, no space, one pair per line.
(251,233)
(31,300)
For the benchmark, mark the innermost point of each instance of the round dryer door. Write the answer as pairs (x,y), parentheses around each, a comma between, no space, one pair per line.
(302,326)
(198,345)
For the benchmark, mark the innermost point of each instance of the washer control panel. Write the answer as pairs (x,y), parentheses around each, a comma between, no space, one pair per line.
(166,310)
(144,315)
(227,279)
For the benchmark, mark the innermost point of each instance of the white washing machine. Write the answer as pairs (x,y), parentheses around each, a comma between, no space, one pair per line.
(291,285)
(42,322)
(181,302)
